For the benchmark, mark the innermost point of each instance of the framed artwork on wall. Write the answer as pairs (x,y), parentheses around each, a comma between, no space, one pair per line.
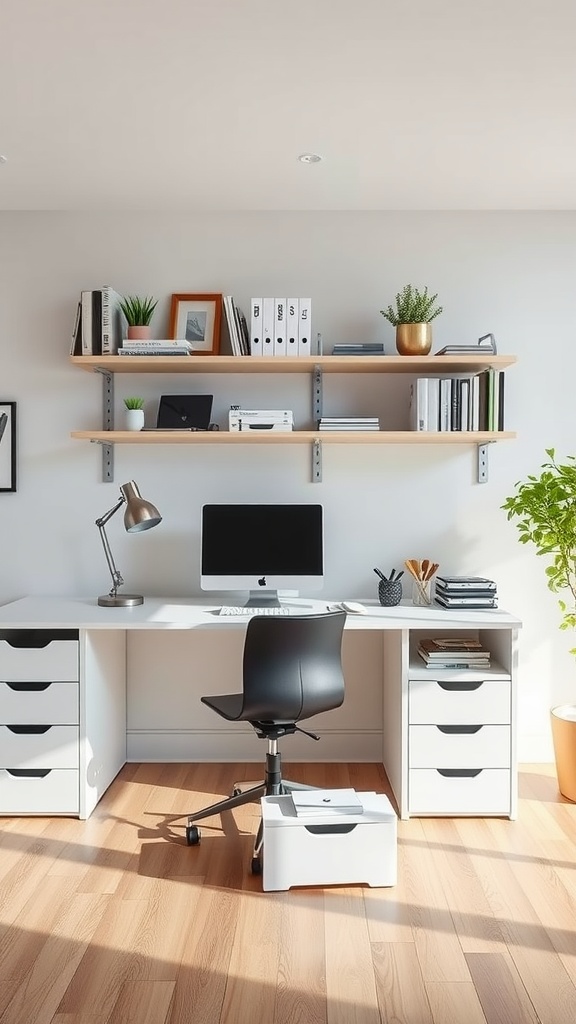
(196,319)
(7,446)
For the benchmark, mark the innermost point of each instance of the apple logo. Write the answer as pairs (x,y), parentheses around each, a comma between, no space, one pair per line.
(262,581)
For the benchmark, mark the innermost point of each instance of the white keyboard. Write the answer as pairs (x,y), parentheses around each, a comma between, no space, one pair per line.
(242,610)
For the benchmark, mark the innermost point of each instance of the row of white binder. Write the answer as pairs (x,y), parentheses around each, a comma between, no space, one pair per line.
(280,327)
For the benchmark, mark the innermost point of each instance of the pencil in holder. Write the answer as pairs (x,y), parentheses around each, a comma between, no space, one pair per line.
(389,592)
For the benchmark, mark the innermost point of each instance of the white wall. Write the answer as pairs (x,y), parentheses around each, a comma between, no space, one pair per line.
(512,274)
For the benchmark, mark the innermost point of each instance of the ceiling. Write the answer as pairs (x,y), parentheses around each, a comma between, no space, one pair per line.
(206,104)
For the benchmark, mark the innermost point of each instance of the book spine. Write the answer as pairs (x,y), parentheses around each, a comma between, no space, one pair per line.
(292,308)
(97,322)
(304,326)
(86,302)
(279,327)
(268,327)
(76,345)
(256,348)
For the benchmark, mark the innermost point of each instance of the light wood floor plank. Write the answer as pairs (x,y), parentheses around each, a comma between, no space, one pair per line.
(501,993)
(350,981)
(301,994)
(143,1002)
(401,991)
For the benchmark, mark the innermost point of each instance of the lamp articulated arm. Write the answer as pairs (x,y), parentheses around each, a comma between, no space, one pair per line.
(117,579)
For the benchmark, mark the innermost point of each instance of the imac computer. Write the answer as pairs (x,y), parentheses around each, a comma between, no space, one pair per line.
(262,549)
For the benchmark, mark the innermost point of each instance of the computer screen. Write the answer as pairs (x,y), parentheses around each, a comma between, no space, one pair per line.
(262,549)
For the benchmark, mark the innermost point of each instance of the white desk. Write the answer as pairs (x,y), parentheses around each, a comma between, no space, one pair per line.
(447,741)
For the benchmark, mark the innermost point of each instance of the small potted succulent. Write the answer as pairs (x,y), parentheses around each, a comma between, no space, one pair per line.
(415,310)
(545,508)
(138,312)
(134,413)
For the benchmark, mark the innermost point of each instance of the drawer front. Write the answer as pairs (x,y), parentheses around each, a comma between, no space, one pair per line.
(55,747)
(487,792)
(26,703)
(438,703)
(51,792)
(484,746)
(56,661)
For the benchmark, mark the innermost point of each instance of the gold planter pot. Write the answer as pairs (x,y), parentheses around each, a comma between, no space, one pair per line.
(414,339)
(564,736)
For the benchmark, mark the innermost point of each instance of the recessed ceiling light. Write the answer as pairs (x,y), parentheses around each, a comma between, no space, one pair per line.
(309,158)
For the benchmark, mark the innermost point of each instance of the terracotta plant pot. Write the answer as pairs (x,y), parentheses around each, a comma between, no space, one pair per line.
(414,339)
(564,736)
(139,333)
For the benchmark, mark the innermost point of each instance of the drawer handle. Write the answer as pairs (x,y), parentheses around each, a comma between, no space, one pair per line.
(28,687)
(29,773)
(32,730)
(459,773)
(467,685)
(331,830)
(457,730)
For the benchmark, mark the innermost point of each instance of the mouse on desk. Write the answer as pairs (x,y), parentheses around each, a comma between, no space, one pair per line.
(354,607)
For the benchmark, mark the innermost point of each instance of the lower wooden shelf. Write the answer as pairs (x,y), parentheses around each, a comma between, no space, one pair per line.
(293,437)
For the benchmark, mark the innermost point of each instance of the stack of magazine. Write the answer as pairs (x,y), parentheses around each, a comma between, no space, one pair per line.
(349,423)
(465,592)
(453,652)
(155,347)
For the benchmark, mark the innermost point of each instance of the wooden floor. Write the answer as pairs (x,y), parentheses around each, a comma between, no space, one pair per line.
(116,920)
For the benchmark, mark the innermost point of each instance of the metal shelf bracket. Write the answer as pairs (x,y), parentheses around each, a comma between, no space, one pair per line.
(107,423)
(317,416)
(483,462)
(316,461)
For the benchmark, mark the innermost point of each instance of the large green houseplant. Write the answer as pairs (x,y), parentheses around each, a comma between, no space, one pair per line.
(545,509)
(415,310)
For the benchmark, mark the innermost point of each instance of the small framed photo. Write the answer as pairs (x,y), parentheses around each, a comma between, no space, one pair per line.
(196,319)
(7,446)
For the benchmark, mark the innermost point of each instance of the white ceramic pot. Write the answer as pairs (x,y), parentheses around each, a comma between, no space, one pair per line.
(134,419)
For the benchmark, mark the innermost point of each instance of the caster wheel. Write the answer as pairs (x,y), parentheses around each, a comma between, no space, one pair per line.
(256,866)
(236,791)
(192,835)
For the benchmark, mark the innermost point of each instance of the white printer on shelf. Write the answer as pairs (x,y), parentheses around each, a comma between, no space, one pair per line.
(260,419)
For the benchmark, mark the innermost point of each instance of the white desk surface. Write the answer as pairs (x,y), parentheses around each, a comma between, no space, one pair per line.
(196,613)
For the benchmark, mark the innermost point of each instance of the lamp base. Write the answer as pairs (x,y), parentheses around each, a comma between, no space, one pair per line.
(120,600)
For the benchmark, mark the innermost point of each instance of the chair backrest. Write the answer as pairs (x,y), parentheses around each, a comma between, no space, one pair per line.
(292,666)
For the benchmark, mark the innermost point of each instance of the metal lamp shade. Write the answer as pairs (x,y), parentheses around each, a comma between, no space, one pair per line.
(140,514)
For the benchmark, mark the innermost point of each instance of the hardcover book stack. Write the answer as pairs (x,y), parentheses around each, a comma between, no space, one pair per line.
(453,652)
(465,592)
(155,347)
(99,323)
(351,423)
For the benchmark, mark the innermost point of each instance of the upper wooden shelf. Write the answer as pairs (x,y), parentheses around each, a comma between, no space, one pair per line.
(424,365)
(188,437)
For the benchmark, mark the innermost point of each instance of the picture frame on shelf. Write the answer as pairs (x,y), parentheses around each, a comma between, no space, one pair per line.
(7,446)
(196,319)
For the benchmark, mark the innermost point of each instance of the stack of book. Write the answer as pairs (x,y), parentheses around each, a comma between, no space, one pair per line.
(453,652)
(155,347)
(237,327)
(472,402)
(465,592)
(487,343)
(98,324)
(349,423)
(367,349)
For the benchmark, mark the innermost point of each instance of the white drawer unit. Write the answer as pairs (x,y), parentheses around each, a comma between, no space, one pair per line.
(460,750)
(39,721)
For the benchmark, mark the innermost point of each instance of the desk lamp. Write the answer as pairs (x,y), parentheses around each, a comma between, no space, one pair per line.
(139,515)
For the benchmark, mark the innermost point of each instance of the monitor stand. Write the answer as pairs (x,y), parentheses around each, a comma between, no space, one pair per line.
(263,599)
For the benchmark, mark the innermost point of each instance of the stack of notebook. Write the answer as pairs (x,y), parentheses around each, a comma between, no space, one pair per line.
(465,592)
(453,652)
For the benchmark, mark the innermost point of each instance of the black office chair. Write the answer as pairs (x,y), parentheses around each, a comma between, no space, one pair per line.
(292,670)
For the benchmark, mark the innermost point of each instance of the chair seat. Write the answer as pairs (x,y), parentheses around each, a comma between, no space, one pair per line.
(229,705)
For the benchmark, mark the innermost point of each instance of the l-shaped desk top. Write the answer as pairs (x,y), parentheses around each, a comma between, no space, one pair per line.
(195,613)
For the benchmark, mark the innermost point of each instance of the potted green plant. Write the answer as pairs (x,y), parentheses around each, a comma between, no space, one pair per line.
(415,310)
(134,413)
(138,312)
(545,509)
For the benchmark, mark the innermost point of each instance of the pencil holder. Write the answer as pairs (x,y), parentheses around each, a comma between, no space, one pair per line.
(389,592)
